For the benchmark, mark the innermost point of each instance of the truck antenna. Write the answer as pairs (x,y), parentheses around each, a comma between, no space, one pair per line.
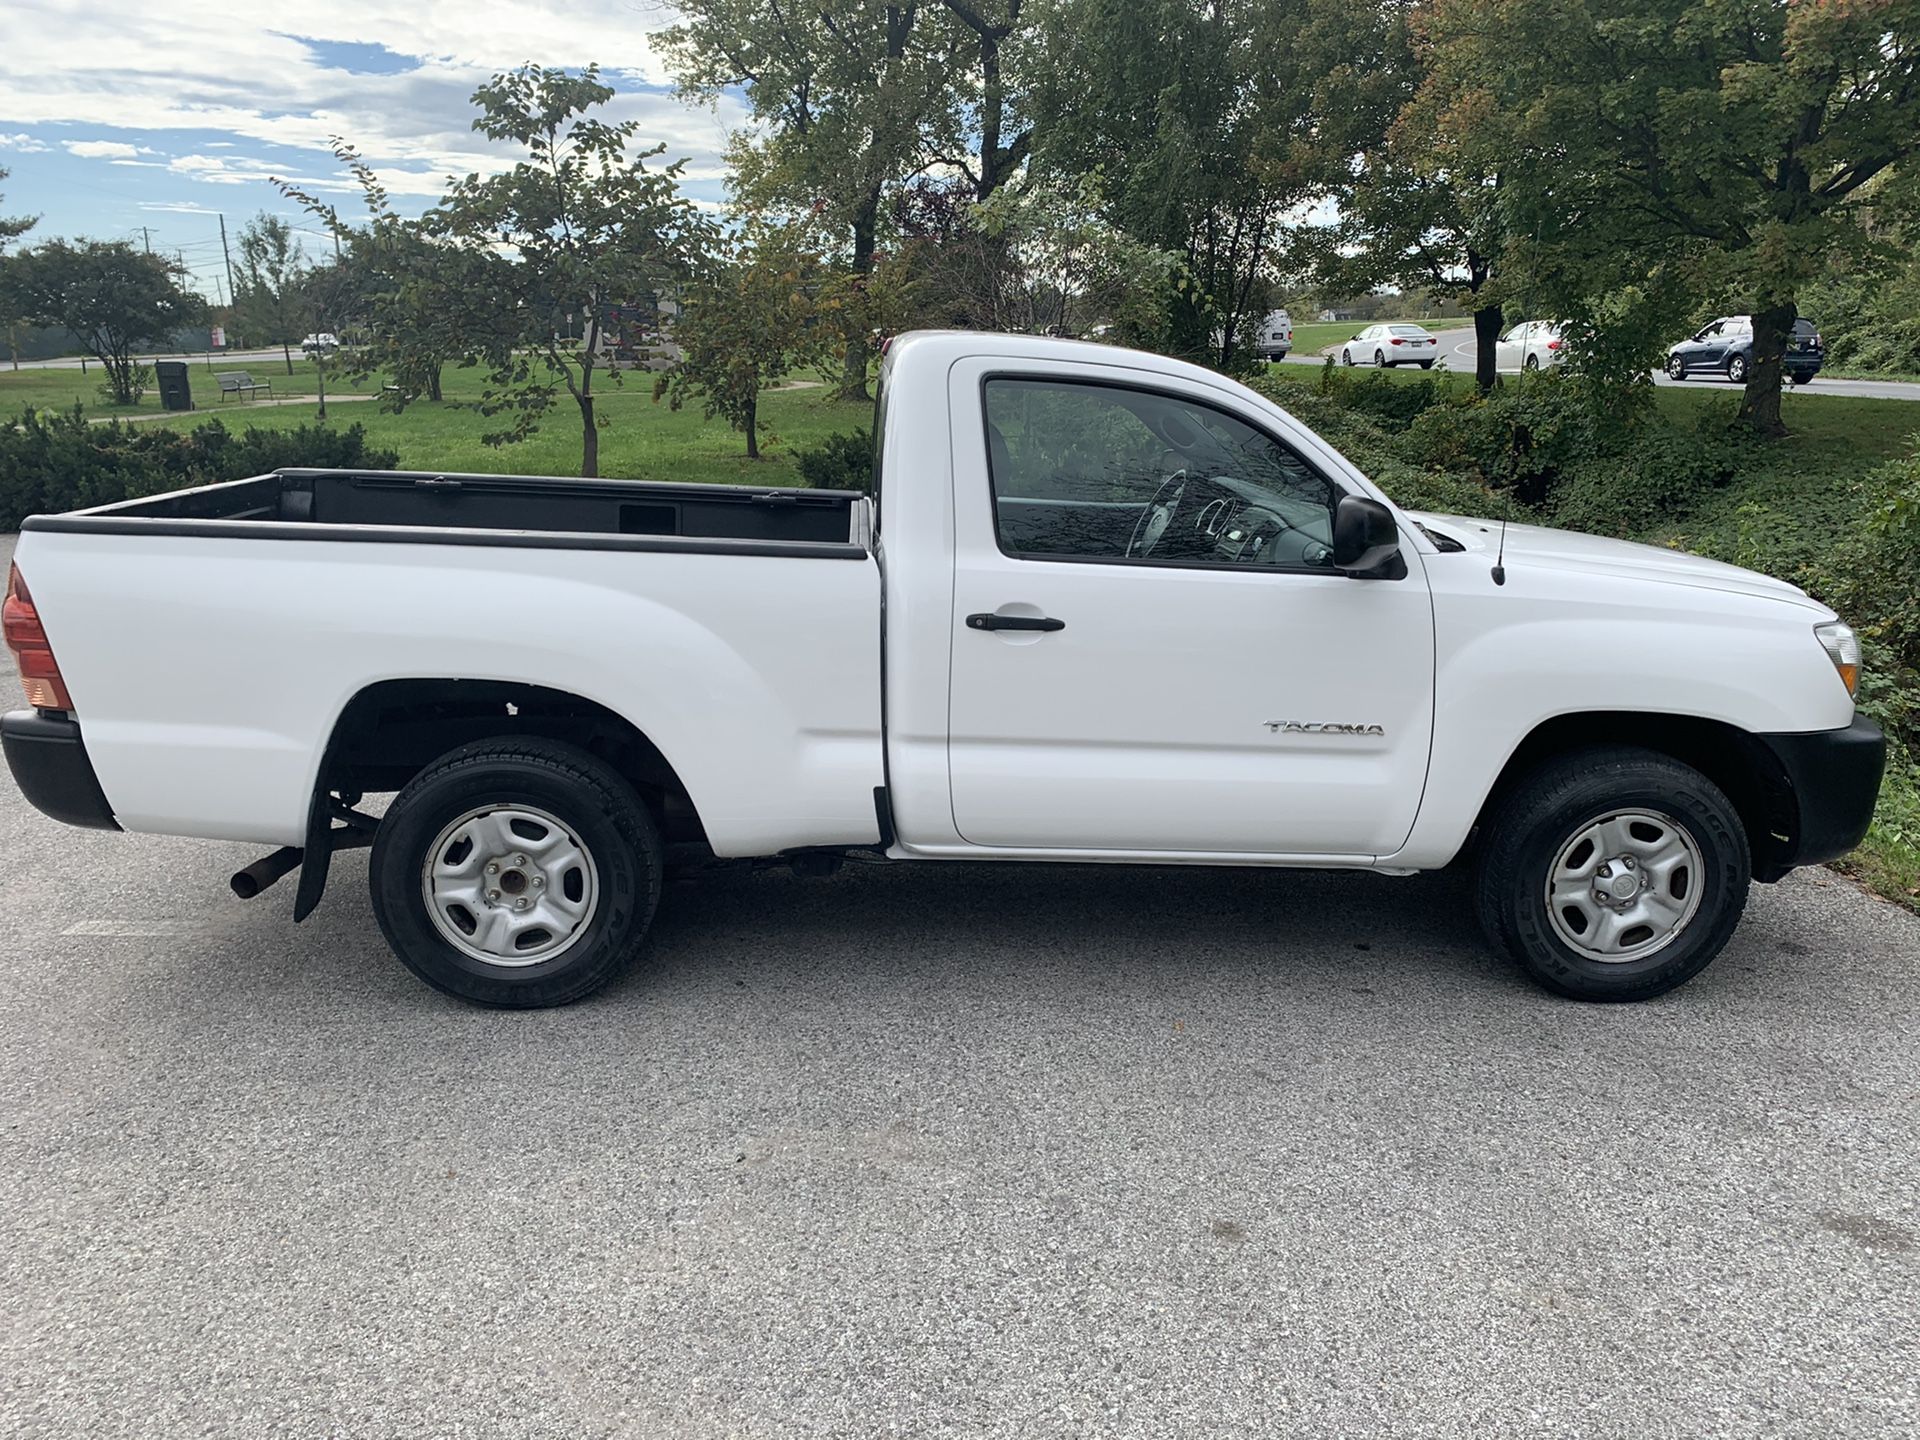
(1500,559)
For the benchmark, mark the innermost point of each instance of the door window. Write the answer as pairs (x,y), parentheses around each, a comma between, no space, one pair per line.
(1108,473)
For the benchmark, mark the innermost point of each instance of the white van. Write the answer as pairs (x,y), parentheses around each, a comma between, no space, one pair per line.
(1274,338)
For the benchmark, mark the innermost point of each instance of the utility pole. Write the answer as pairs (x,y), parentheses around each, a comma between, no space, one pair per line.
(229,254)
(336,245)
(146,239)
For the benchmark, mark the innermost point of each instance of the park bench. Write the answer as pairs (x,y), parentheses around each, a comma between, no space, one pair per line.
(239,382)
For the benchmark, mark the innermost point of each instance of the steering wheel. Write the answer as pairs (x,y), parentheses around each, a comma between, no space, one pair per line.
(1172,523)
(1158,515)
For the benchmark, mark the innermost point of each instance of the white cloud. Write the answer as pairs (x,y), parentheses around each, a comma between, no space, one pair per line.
(199,65)
(106,149)
(25,144)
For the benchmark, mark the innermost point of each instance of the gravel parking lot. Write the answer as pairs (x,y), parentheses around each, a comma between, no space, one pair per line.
(954,1150)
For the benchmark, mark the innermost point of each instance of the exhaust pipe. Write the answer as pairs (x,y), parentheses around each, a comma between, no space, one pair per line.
(263,872)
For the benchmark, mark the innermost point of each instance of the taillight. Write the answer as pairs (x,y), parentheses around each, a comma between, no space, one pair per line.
(1395,340)
(1553,344)
(27,639)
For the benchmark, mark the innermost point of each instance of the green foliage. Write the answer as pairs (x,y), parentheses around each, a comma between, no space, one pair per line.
(842,461)
(748,321)
(109,295)
(266,285)
(1870,316)
(58,461)
(1723,146)
(591,227)
(1176,114)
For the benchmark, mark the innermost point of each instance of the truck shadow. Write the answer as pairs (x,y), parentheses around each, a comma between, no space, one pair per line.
(880,921)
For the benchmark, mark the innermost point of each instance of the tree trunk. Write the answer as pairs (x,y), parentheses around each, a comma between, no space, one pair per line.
(753,426)
(853,376)
(433,382)
(286,349)
(589,441)
(1487,322)
(320,371)
(1760,404)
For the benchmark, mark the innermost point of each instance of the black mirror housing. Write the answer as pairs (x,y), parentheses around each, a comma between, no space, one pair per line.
(1366,541)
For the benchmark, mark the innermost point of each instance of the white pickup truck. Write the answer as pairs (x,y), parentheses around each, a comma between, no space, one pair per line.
(1101,607)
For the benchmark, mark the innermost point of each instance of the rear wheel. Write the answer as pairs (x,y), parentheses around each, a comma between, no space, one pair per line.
(1426,364)
(1613,874)
(1801,379)
(1379,359)
(1737,369)
(516,873)
(1533,362)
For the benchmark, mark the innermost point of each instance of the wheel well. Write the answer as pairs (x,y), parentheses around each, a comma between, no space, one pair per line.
(1747,772)
(393,730)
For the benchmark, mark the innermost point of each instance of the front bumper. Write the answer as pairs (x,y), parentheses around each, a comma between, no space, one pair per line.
(50,765)
(1833,778)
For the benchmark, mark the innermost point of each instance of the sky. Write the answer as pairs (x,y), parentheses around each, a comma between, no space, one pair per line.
(149,121)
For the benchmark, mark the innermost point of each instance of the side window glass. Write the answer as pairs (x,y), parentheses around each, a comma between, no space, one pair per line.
(1100,472)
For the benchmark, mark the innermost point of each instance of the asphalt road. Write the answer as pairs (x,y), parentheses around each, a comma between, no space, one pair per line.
(946,1150)
(1458,350)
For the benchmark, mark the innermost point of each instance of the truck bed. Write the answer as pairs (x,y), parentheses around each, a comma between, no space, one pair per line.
(424,507)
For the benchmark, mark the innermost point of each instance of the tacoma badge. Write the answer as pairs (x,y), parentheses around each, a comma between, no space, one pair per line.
(1321,727)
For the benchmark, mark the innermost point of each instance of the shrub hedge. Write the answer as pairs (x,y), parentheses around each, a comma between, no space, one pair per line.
(55,460)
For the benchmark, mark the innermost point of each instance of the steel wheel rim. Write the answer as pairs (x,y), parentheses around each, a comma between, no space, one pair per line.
(510,885)
(1625,885)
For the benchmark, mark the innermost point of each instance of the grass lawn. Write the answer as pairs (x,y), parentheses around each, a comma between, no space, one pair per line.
(640,439)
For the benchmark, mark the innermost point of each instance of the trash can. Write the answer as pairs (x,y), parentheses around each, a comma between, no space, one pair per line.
(175,394)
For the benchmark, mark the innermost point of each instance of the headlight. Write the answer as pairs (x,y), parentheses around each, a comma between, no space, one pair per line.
(1843,648)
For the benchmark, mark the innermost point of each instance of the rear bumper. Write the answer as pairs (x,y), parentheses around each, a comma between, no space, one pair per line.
(1834,779)
(50,765)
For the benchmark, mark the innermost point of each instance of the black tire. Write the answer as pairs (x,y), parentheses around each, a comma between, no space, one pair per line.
(1737,369)
(1676,368)
(1346,357)
(1801,379)
(1380,361)
(600,808)
(1528,828)
(1533,363)
(1426,364)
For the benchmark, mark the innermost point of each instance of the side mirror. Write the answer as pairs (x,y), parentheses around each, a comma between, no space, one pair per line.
(1366,541)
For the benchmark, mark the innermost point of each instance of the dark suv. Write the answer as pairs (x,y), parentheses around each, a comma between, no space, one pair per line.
(1726,348)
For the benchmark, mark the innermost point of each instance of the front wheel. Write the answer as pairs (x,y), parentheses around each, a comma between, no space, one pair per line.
(1346,357)
(1676,368)
(1613,874)
(516,873)
(1737,369)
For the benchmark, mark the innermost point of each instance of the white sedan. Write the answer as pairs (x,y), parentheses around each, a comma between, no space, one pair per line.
(1531,345)
(1391,345)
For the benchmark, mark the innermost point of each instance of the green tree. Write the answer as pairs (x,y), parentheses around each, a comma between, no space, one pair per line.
(848,98)
(110,296)
(11,229)
(1720,145)
(751,319)
(1415,202)
(1181,117)
(266,284)
(589,227)
(421,302)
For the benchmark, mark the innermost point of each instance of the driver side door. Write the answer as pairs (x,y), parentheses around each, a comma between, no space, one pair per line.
(1208,698)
